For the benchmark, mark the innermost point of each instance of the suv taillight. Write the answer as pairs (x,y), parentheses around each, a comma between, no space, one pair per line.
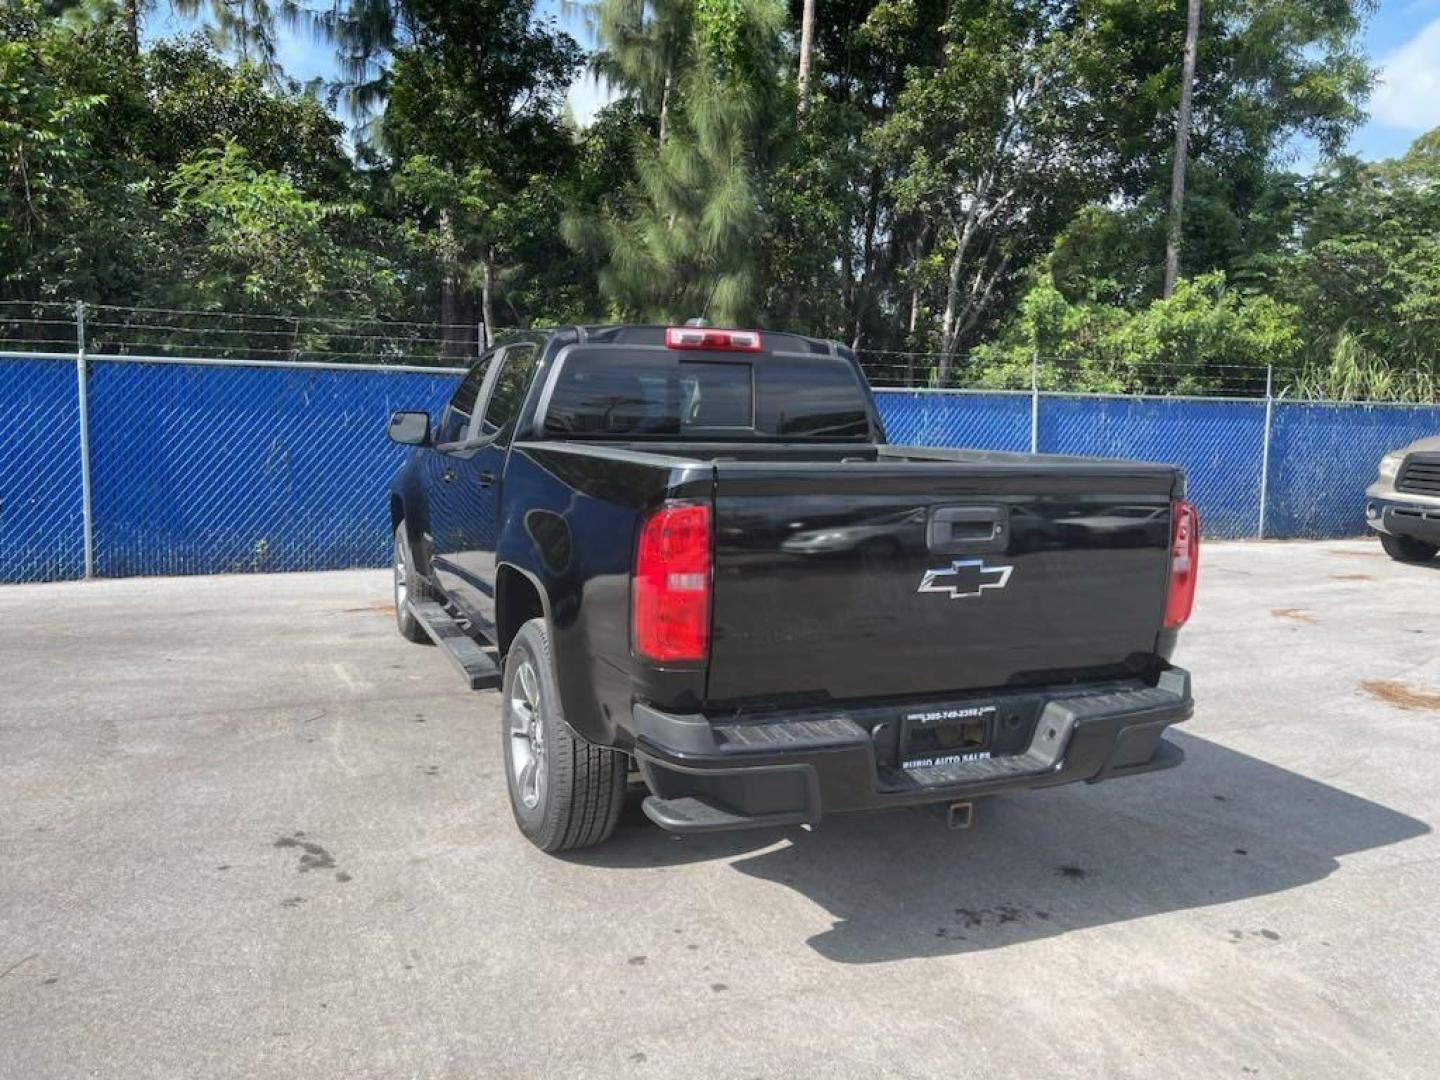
(670,600)
(1184,563)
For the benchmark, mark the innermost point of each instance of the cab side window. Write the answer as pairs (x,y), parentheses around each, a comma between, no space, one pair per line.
(455,420)
(517,366)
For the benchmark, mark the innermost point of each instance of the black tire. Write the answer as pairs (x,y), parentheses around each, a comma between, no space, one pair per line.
(577,788)
(1407,548)
(415,588)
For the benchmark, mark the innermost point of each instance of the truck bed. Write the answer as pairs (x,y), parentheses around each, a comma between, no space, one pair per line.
(832,581)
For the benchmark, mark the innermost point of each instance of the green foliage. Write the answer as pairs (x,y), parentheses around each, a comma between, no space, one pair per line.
(722,28)
(1341,294)
(1111,255)
(253,241)
(682,242)
(157,179)
(809,203)
(1354,373)
(477,149)
(1204,337)
(54,91)
(643,45)
(1368,272)
(248,30)
(995,144)
(197,100)
(982,179)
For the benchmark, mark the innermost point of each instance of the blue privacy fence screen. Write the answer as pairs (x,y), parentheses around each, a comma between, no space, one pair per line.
(42,523)
(977,421)
(218,468)
(1218,444)
(1321,458)
(205,470)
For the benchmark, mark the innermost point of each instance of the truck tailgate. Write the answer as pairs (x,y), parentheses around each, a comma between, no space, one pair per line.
(899,577)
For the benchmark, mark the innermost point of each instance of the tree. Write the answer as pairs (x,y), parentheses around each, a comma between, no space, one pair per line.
(159,179)
(643,46)
(839,174)
(472,226)
(71,213)
(245,29)
(1366,276)
(807,38)
(471,120)
(905,175)
(1182,146)
(684,243)
(248,30)
(255,242)
(198,100)
(996,147)
(1204,337)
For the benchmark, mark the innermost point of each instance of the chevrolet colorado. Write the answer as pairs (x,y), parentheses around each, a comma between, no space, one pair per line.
(696,556)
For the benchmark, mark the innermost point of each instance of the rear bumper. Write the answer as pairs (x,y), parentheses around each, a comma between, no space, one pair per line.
(1418,518)
(793,768)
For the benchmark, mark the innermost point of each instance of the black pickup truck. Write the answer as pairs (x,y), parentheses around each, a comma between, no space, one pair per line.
(698,559)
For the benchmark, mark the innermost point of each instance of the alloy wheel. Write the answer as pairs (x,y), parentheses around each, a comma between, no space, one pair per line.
(527,734)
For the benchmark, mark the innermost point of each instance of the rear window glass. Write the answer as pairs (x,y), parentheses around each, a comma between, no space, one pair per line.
(812,398)
(620,393)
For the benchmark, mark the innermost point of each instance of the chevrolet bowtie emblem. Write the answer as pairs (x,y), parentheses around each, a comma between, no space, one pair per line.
(965,577)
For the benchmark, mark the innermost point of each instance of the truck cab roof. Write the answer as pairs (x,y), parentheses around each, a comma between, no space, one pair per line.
(654,335)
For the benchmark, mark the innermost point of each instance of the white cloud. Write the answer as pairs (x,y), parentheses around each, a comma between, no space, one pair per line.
(1408,94)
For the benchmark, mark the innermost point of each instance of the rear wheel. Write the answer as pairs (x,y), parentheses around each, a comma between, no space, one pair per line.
(565,792)
(1407,548)
(408,586)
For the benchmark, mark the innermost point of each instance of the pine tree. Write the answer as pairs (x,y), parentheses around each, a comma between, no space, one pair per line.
(644,45)
(687,242)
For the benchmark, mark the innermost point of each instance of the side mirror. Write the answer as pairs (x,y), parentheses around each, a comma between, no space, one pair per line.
(409,428)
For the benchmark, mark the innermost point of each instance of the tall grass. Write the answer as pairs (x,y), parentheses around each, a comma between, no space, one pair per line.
(1354,373)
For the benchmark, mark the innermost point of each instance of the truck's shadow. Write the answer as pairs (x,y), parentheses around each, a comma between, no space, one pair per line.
(1222,827)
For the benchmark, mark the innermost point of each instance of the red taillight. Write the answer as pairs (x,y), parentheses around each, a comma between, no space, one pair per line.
(1184,564)
(670,605)
(699,337)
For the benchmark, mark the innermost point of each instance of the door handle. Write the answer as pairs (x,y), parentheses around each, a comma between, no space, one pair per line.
(486,478)
(954,530)
(448,476)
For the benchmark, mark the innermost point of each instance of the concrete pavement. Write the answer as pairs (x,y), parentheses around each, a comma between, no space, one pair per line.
(246,830)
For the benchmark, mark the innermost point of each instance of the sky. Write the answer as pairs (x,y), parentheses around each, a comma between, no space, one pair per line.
(1402,40)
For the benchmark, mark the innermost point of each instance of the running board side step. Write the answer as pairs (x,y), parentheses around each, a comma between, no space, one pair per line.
(469,656)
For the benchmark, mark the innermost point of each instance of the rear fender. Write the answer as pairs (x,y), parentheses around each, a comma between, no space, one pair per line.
(537,573)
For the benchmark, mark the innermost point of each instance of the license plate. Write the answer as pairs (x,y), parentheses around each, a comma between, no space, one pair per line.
(945,736)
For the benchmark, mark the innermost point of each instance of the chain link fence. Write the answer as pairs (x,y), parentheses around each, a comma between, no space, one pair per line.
(145,459)
(199,467)
(42,525)
(1256,468)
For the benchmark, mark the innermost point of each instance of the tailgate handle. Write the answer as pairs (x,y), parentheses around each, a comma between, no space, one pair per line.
(956,529)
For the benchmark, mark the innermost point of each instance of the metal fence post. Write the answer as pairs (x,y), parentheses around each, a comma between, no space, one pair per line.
(1265,449)
(83,397)
(1035,402)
